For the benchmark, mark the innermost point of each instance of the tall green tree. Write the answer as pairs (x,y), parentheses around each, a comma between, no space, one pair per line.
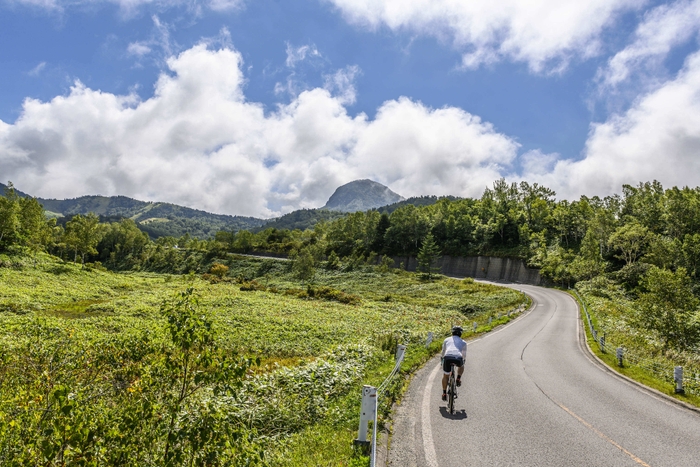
(35,231)
(630,239)
(304,265)
(669,309)
(82,235)
(428,256)
(9,218)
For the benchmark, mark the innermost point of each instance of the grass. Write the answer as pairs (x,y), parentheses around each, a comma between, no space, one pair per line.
(316,352)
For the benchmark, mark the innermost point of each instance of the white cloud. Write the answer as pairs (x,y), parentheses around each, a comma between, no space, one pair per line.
(545,34)
(657,139)
(301,53)
(199,143)
(139,49)
(342,82)
(662,29)
(37,69)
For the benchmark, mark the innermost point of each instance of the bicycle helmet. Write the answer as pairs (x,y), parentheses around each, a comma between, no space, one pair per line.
(457,331)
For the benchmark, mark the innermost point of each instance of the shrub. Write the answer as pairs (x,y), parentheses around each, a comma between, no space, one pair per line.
(252,286)
(219,270)
(329,293)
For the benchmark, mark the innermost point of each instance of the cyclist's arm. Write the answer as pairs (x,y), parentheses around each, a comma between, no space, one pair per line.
(464,352)
(444,347)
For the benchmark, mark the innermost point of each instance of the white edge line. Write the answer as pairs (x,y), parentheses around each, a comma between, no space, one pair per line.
(428,445)
(426,429)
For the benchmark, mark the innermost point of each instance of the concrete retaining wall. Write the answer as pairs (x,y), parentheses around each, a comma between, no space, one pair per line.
(480,267)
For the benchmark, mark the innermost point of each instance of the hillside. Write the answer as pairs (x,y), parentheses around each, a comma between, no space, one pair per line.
(157,219)
(361,195)
(301,219)
(415,201)
(165,219)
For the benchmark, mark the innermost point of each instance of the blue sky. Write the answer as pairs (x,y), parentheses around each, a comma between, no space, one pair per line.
(259,108)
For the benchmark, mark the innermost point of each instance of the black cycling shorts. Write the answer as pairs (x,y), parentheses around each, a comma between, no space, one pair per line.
(448,361)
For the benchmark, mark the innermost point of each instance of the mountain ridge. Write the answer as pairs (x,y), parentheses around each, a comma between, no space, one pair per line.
(160,219)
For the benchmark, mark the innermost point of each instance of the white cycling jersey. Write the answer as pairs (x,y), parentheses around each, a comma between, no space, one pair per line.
(454,346)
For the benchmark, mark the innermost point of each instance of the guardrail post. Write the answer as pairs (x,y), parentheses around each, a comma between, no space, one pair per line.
(367,409)
(429,340)
(490,319)
(400,350)
(620,353)
(678,378)
(602,343)
(475,326)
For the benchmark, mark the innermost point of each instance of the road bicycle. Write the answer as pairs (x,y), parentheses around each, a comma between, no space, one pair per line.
(452,390)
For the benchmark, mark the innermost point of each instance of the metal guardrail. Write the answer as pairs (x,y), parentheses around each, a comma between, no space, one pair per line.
(370,405)
(685,383)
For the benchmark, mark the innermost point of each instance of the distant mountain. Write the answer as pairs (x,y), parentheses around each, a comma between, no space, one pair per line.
(361,195)
(157,219)
(165,219)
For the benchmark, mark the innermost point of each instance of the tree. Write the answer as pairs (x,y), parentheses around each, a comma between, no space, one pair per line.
(35,232)
(669,309)
(82,235)
(630,239)
(195,362)
(304,266)
(122,245)
(9,218)
(243,241)
(428,256)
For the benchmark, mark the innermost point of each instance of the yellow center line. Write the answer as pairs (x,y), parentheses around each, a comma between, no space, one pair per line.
(602,435)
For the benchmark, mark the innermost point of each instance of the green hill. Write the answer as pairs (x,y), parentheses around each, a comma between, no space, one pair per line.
(302,219)
(157,219)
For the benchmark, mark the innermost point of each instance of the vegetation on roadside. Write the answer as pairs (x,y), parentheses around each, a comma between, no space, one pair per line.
(142,368)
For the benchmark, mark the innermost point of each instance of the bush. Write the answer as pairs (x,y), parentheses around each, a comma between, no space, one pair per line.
(219,270)
(329,293)
(252,286)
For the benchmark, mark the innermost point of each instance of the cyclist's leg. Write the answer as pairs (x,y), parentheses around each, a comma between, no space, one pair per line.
(446,368)
(460,371)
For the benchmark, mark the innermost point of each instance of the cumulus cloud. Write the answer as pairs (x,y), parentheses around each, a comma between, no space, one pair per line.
(662,29)
(657,139)
(545,34)
(198,142)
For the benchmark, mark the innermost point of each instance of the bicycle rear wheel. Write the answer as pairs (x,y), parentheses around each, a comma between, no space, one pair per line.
(451,393)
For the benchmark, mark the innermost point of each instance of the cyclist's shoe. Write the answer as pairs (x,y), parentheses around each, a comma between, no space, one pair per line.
(459,382)
(444,396)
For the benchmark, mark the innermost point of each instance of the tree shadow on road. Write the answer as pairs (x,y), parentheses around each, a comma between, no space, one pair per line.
(458,415)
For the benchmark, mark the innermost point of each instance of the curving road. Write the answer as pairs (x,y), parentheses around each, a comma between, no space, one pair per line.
(533,396)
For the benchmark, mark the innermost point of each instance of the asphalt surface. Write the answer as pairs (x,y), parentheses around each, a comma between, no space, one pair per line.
(533,396)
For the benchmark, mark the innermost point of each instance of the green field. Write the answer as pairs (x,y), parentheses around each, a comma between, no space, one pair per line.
(100,368)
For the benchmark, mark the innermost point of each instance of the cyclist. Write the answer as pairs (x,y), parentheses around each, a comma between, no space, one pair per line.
(454,350)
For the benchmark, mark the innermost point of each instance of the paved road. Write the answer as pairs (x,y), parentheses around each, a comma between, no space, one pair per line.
(533,396)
